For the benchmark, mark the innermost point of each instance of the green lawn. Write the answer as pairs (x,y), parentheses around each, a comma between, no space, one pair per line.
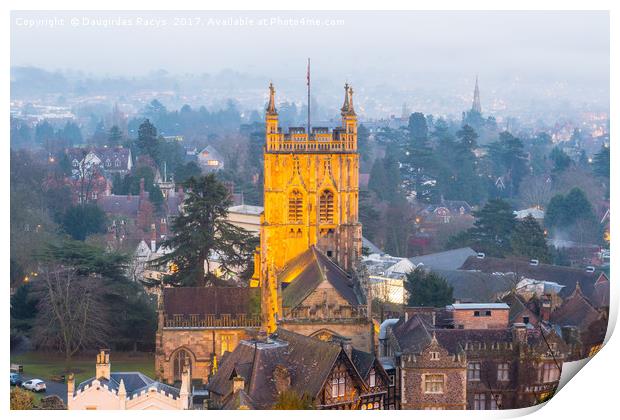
(46,365)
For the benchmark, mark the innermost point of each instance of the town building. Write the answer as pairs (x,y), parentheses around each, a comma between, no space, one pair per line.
(109,390)
(332,375)
(210,160)
(200,325)
(474,367)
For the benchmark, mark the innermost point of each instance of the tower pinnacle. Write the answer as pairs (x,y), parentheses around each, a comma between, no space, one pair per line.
(347,107)
(475,106)
(271,107)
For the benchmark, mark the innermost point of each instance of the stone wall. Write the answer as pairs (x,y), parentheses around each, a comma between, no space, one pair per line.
(200,344)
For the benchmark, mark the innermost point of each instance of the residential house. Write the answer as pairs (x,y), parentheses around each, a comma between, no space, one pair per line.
(209,159)
(259,370)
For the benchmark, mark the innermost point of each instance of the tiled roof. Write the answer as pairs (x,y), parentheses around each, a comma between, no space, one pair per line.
(306,271)
(363,361)
(472,286)
(208,300)
(416,334)
(308,361)
(122,205)
(566,276)
(576,311)
(135,383)
(446,260)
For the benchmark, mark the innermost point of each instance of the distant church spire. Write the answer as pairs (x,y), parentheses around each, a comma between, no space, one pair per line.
(271,107)
(475,106)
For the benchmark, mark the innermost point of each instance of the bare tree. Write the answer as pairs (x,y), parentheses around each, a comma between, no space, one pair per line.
(71,313)
(535,190)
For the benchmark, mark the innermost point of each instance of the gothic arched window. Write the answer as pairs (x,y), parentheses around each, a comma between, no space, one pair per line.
(179,362)
(326,207)
(295,206)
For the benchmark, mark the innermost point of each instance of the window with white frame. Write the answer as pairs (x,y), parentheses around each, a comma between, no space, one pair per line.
(503,371)
(342,385)
(473,371)
(433,384)
(549,372)
(334,387)
(480,402)
(434,355)
(372,378)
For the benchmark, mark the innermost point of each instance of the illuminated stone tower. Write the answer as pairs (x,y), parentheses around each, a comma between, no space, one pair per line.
(311,199)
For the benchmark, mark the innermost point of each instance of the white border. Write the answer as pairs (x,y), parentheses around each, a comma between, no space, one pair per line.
(591,395)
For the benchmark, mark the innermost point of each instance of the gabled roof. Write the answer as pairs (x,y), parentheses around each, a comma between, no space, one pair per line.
(416,334)
(363,361)
(446,260)
(566,276)
(208,300)
(575,311)
(307,360)
(303,274)
(135,383)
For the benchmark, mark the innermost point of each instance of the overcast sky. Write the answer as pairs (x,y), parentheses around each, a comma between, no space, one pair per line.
(430,49)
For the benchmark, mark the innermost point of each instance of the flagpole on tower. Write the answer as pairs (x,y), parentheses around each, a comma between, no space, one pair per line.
(308,83)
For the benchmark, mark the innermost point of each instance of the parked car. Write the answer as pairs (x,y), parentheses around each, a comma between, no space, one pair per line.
(36,385)
(16,379)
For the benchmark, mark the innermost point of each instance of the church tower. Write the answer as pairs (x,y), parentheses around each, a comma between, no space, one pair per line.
(475,106)
(311,199)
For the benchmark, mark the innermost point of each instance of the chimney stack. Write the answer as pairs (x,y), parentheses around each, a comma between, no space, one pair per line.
(153,238)
(519,333)
(70,389)
(103,365)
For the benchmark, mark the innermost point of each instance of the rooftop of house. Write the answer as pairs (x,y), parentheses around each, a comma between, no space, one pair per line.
(307,362)
(135,383)
(566,276)
(469,306)
(415,334)
(446,260)
(208,300)
(475,286)
(246,209)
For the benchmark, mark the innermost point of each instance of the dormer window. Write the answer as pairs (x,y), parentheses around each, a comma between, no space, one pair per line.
(434,355)
(117,163)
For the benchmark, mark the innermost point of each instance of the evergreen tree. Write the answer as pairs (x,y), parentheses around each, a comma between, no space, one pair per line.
(509,160)
(291,400)
(201,231)
(185,172)
(115,136)
(71,134)
(428,289)
(560,160)
(528,240)
(147,140)
(418,129)
(377,181)
(83,220)
(601,163)
(493,227)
